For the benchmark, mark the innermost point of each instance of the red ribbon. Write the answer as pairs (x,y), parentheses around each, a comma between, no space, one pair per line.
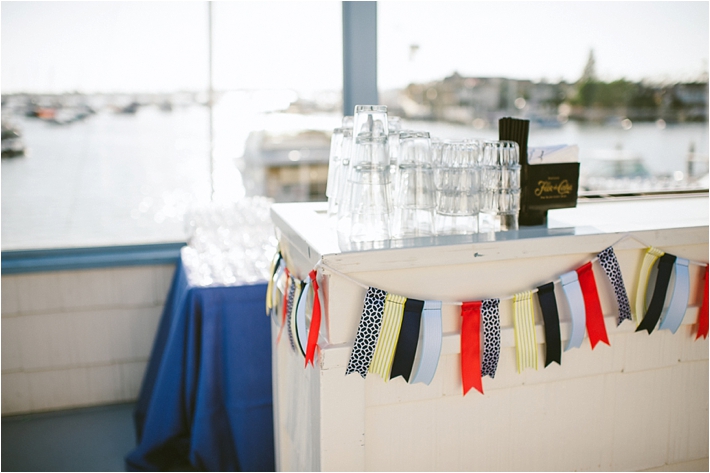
(703,313)
(315,321)
(595,318)
(471,346)
(285,304)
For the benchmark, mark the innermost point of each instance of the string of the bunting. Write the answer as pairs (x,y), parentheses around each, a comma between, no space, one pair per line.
(402,336)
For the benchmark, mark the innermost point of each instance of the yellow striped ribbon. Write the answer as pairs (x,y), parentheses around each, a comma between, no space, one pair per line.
(524,327)
(652,254)
(389,334)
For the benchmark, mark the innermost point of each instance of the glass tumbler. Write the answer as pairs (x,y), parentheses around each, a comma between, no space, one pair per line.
(369,204)
(458,188)
(340,145)
(370,119)
(414,192)
(500,194)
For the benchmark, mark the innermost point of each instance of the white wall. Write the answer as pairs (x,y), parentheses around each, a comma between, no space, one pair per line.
(78,338)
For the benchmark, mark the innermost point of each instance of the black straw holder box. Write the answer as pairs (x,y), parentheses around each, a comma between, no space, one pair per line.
(543,186)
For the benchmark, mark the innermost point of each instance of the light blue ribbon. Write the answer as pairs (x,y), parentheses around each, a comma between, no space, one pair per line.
(573,294)
(430,346)
(673,316)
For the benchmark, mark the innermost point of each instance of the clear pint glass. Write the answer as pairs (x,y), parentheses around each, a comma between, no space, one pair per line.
(500,194)
(458,188)
(414,192)
(369,203)
(370,119)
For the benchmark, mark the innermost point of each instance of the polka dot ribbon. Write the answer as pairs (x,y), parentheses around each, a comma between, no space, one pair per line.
(491,336)
(367,332)
(610,264)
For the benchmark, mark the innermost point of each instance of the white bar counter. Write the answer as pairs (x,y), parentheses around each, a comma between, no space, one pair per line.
(639,404)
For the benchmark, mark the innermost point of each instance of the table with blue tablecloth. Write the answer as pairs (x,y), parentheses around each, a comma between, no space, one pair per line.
(206,401)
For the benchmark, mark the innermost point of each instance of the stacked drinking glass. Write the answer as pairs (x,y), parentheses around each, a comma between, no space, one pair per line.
(385,182)
(458,187)
(500,176)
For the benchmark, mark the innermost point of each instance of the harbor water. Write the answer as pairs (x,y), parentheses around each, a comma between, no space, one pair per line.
(120,179)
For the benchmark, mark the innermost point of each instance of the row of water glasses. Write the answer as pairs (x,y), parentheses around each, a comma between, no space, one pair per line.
(385,182)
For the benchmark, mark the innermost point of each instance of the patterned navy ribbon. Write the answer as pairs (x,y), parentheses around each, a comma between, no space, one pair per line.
(289,312)
(367,332)
(548,304)
(665,266)
(490,318)
(608,261)
(408,339)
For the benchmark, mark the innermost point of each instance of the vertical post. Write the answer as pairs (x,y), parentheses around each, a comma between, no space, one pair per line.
(210,99)
(359,55)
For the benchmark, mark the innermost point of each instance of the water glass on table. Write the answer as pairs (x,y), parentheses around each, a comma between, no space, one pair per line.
(500,182)
(458,188)
(370,119)
(414,190)
(340,146)
(369,204)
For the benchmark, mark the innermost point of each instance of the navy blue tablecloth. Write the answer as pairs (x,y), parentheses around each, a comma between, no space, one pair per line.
(206,402)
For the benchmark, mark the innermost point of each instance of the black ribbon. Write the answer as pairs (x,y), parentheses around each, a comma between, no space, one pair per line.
(408,339)
(665,266)
(548,304)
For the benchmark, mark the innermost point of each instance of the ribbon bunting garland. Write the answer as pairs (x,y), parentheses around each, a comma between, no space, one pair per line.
(652,254)
(658,299)
(548,305)
(315,320)
(289,311)
(270,286)
(408,338)
(491,337)
(367,332)
(703,313)
(471,346)
(673,316)
(400,336)
(575,300)
(610,264)
(284,304)
(592,306)
(387,341)
(301,326)
(429,349)
(524,327)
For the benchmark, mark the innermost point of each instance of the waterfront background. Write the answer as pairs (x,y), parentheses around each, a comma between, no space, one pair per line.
(116,178)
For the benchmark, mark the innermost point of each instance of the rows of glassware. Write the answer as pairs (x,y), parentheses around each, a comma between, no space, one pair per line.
(385,182)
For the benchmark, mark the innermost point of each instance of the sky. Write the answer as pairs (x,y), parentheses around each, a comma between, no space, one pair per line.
(163,46)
